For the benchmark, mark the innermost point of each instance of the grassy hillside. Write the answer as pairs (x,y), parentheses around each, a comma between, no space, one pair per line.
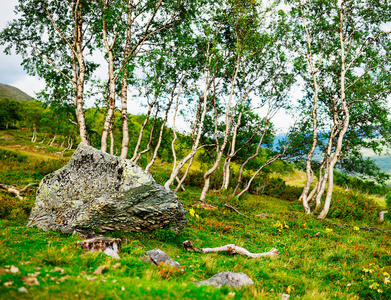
(13,93)
(331,259)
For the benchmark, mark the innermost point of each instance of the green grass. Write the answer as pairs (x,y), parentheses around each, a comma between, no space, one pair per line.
(327,259)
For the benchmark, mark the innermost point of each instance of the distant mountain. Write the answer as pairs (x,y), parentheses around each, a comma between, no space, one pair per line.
(13,93)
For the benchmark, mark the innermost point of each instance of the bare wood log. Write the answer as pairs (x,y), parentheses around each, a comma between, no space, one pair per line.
(14,191)
(372,229)
(233,209)
(231,249)
(29,185)
(204,205)
(381,215)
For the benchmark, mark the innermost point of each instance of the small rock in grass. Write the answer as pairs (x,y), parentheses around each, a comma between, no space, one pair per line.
(14,270)
(91,277)
(62,279)
(230,279)
(123,288)
(35,274)
(22,289)
(116,266)
(8,283)
(285,297)
(158,256)
(100,269)
(58,269)
(31,281)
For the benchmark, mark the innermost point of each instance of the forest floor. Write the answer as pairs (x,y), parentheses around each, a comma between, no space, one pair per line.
(337,258)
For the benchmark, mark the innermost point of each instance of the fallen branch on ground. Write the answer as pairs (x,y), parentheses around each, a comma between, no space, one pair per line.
(14,191)
(381,215)
(233,208)
(204,205)
(372,229)
(231,249)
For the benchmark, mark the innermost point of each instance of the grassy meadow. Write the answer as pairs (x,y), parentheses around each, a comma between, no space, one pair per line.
(337,258)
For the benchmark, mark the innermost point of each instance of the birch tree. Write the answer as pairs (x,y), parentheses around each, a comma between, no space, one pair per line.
(354,79)
(52,38)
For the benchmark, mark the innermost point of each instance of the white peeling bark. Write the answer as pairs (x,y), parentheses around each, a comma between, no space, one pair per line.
(230,248)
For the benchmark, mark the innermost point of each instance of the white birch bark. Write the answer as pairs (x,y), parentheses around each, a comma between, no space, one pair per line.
(230,248)
(228,120)
(176,168)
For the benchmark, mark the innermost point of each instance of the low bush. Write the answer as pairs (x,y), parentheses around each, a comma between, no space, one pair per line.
(7,156)
(352,205)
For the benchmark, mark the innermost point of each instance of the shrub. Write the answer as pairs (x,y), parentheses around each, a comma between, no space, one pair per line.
(12,156)
(388,200)
(352,205)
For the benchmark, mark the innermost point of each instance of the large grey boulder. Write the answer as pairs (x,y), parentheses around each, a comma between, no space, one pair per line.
(230,279)
(101,192)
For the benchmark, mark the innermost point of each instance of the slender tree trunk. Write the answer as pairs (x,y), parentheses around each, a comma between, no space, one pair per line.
(124,86)
(228,120)
(136,155)
(52,141)
(112,135)
(79,72)
(124,117)
(179,166)
(112,78)
(152,161)
(44,138)
(148,148)
(344,125)
(247,187)
(309,171)
(180,183)
(34,137)
(251,157)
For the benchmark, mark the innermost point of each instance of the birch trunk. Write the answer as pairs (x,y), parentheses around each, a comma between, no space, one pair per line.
(136,155)
(151,162)
(79,73)
(34,137)
(309,171)
(148,148)
(112,79)
(52,141)
(124,85)
(344,128)
(228,120)
(112,136)
(176,168)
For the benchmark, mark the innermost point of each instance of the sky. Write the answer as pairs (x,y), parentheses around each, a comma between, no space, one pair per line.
(11,72)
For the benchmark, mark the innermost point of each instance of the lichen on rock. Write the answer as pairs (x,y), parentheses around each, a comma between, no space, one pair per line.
(101,192)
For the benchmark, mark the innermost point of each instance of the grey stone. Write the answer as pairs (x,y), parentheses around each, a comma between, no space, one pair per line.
(230,279)
(100,192)
(158,256)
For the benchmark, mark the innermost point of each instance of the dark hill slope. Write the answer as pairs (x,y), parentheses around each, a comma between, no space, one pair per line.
(13,93)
